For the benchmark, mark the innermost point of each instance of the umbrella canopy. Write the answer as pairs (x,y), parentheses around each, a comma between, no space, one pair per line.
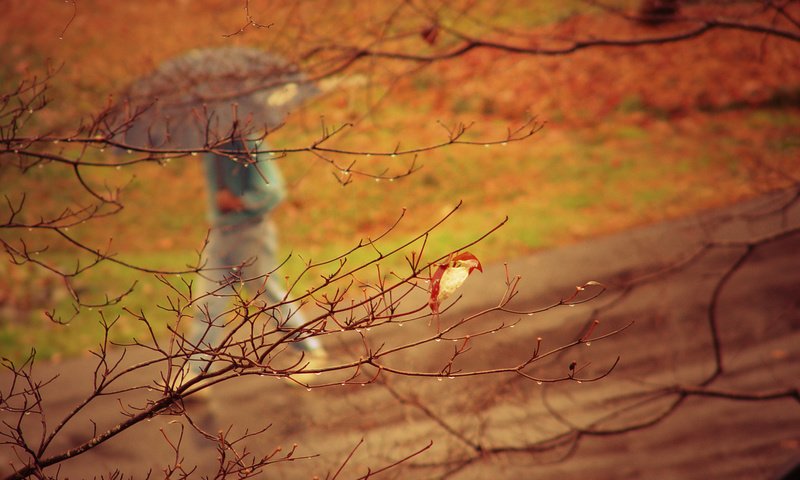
(208,95)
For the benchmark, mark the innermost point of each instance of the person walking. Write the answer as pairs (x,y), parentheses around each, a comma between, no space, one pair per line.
(208,97)
(243,191)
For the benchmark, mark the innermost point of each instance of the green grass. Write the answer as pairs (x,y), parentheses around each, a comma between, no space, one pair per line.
(559,186)
(21,328)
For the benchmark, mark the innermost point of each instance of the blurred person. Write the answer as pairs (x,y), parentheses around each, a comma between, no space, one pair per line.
(211,95)
(242,248)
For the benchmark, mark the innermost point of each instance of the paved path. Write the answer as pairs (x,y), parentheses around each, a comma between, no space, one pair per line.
(669,343)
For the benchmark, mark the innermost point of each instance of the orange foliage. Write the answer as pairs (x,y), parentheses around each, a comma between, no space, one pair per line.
(110,43)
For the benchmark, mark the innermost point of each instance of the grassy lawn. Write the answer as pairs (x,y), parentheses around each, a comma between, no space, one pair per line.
(562,186)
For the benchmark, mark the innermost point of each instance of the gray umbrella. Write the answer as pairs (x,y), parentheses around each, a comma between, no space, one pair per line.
(210,94)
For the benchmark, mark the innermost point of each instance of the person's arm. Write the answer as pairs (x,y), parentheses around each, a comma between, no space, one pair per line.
(228,202)
(260,194)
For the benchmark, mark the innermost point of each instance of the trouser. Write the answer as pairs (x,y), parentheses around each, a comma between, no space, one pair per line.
(238,257)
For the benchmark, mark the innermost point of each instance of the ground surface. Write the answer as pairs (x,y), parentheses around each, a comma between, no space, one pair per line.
(759,324)
(632,136)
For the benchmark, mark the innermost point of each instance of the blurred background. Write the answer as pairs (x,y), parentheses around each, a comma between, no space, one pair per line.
(631,135)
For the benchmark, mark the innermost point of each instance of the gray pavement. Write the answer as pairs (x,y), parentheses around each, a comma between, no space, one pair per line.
(506,426)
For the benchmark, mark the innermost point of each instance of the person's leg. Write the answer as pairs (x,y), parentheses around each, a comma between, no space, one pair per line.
(229,248)
(213,296)
(286,316)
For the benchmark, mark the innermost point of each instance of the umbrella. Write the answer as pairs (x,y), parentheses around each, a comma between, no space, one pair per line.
(208,95)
